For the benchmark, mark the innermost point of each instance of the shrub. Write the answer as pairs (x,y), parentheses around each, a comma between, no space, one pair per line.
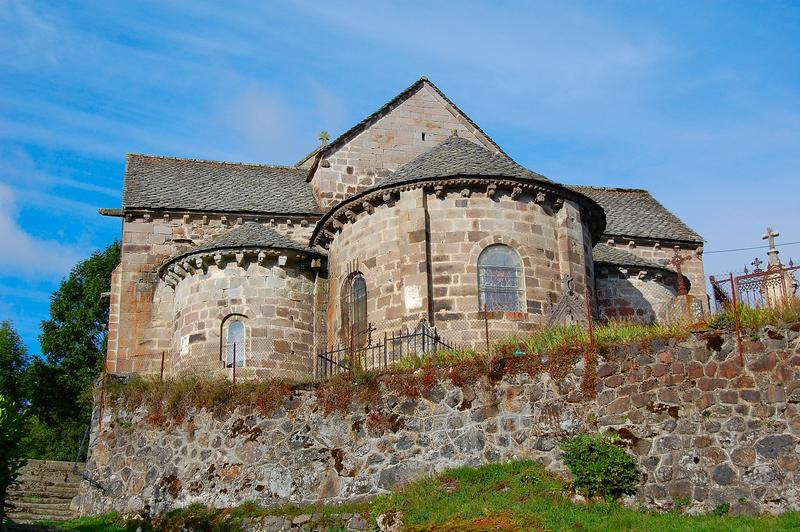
(11,460)
(600,465)
(721,509)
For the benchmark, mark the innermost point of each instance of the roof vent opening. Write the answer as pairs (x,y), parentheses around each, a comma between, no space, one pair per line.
(423,135)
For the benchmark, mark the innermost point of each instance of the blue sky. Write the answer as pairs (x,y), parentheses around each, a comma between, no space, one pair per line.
(698,102)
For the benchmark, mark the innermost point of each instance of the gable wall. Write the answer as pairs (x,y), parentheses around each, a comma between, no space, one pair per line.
(389,143)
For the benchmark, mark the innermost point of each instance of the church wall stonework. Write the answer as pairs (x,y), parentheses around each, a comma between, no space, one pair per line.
(644,299)
(703,429)
(663,254)
(274,302)
(390,142)
(388,247)
(141,306)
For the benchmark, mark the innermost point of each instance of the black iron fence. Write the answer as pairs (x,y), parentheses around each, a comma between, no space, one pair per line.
(380,354)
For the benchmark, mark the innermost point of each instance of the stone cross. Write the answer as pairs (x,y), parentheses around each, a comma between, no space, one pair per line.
(323,137)
(677,261)
(773,252)
(757,263)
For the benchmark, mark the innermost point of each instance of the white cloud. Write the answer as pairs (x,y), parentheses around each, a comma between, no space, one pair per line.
(25,256)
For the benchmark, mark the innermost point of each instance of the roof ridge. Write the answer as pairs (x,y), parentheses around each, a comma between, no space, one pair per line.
(215,161)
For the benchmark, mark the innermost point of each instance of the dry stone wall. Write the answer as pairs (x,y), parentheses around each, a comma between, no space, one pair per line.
(704,430)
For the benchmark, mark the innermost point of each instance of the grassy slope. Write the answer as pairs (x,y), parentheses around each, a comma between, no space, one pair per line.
(514,496)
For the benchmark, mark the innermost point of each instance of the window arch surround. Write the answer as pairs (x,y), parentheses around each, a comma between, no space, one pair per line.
(501,279)
(354,331)
(233,331)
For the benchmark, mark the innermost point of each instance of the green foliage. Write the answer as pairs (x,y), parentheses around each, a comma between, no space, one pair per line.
(11,460)
(73,347)
(754,318)
(13,360)
(721,509)
(43,441)
(600,465)
(97,523)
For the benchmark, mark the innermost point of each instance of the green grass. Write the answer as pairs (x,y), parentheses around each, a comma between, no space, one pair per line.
(523,496)
(102,523)
(754,318)
(519,495)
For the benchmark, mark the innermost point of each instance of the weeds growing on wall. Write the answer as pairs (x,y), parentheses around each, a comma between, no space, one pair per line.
(554,350)
(173,399)
(754,318)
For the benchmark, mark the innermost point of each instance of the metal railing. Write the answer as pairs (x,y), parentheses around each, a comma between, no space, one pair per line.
(381,354)
(759,288)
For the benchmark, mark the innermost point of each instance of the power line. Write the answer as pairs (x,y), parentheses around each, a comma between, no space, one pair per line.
(748,249)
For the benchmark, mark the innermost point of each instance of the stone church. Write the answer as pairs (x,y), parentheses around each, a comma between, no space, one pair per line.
(413,214)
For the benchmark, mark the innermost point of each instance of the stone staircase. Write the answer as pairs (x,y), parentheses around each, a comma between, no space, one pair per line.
(43,492)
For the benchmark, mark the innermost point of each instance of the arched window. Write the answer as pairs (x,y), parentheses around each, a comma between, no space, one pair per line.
(236,346)
(355,328)
(500,285)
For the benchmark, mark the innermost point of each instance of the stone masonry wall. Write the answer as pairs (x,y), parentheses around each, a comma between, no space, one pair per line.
(141,305)
(388,248)
(550,243)
(276,304)
(393,140)
(663,254)
(639,296)
(703,430)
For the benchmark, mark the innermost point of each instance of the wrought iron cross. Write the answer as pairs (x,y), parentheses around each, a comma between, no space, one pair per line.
(757,263)
(677,261)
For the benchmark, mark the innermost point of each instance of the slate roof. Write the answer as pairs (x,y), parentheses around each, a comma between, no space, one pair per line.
(388,106)
(248,235)
(635,213)
(605,254)
(458,156)
(153,182)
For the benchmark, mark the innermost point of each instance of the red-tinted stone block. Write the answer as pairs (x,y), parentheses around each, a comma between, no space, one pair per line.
(765,363)
(730,369)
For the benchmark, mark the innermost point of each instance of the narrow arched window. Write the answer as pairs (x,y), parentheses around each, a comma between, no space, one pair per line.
(236,348)
(500,285)
(355,328)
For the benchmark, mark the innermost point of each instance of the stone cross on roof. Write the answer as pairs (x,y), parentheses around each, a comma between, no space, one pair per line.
(773,251)
(323,137)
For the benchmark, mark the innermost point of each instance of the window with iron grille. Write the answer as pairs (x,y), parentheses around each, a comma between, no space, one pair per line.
(355,328)
(500,283)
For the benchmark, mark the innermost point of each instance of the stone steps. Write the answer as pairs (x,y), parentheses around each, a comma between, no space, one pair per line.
(25,527)
(43,492)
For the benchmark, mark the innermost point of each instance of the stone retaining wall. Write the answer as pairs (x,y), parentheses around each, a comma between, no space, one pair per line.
(704,431)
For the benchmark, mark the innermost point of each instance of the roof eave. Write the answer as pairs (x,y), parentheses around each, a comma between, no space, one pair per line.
(567,192)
